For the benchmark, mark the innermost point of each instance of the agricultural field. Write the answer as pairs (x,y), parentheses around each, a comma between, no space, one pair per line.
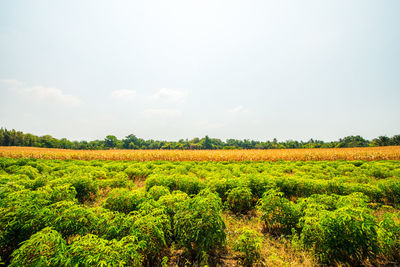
(355,153)
(221,213)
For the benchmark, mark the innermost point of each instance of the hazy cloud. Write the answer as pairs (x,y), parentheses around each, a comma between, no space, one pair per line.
(9,83)
(238,109)
(210,125)
(169,95)
(41,93)
(124,94)
(162,113)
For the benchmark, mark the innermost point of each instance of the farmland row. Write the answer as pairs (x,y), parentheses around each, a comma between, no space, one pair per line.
(361,153)
(56,212)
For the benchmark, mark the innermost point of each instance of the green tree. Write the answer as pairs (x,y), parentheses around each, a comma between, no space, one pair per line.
(207,143)
(130,142)
(2,137)
(395,140)
(353,141)
(48,141)
(382,141)
(111,141)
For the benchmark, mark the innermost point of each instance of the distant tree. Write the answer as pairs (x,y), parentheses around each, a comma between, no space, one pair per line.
(30,140)
(130,142)
(167,145)
(66,144)
(183,144)
(10,135)
(246,144)
(96,144)
(2,137)
(153,144)
(141,143)
(290,144)
(18,138)
(110,141)
(382,141)
(207,143)
(83,145)
(48,141)
(353,141)
(395,140)
(195,146)
(195,140)
(232,143)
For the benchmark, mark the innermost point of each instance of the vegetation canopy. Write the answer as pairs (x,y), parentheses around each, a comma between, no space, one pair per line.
(154,213)
(18,138)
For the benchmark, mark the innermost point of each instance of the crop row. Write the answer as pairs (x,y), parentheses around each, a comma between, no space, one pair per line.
(357,153)
(55,212)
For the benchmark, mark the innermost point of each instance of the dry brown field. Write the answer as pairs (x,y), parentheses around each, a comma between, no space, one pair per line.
(364,153)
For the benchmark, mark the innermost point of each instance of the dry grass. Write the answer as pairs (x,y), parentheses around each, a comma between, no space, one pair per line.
(364,153)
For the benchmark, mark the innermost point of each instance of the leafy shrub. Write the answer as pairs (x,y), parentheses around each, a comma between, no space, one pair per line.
(62,193)
(379,172)
(71,219)
(137,173)
(389,236)
(29,171)
(249,243)
(100,174)
(90,250)
(278,213)
(119,179)
(39,182)
(23,212)
(346,234)
(85,188)
(45,248)
(115,166)
(240,200)
(372,191)
(259,184)
(172,202)
(188,184)
(357,199)
(22,217)
(166,181)
(288,186)
(6,190)
(204,212)
(158,191)
(222,186)
(115,183)
(334,187)
(124,200)
(391,190)
(299,187)
(152,226)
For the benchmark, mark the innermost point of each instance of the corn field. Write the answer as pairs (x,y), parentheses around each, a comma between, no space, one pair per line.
(317,154)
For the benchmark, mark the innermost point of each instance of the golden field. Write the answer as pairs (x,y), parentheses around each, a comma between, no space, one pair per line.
(362,153)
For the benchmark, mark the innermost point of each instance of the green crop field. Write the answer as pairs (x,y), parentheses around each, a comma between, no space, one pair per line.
(163,213)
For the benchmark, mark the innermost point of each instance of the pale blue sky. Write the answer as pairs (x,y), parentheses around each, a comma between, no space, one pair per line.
(181,69)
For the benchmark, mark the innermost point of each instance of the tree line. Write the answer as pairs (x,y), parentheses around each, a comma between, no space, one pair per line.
(18,138)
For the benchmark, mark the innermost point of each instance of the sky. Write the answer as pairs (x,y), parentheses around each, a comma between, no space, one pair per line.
(176,69)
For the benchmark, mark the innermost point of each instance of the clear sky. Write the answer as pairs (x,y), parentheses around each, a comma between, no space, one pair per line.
(182,69)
